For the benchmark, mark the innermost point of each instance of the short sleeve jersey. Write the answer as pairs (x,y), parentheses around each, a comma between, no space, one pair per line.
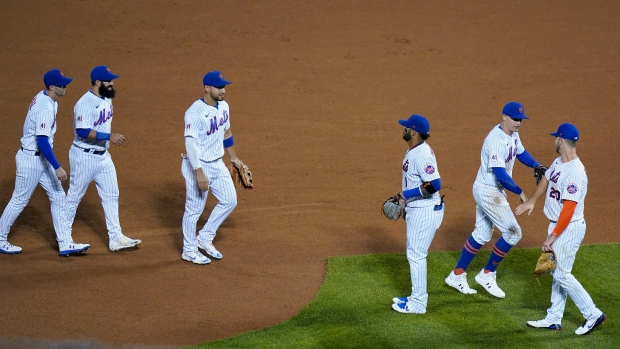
(498,150)
(567,181)
(95,113)
(208,124)
(40,121)
(419,166)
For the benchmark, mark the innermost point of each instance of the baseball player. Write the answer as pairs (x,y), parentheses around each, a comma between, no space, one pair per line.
(37,164)
(565,184)
(500,149)
(424,210)
(89,158)
(207,134)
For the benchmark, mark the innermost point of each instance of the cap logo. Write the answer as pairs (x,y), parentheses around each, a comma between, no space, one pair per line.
(520,110)
(61,73)
(108,69)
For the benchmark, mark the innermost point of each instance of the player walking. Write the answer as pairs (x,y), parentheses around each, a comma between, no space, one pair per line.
(424,210)
(89,158)
(207,134)
(37,164)
(565,184)
(497,158)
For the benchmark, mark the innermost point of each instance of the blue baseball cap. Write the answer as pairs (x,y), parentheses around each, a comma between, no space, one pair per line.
(56,77)
(102,73)
(567,131)
(214,78)
(417,123)
(514,110)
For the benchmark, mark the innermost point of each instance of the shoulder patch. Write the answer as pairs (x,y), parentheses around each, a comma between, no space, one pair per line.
(571,188)
(80,118)
(429,168)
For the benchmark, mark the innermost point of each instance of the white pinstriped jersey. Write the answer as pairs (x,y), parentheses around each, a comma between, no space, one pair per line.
(567,181)
(95,113)
(207,124)
(420,166)
(498,150)
(40,121)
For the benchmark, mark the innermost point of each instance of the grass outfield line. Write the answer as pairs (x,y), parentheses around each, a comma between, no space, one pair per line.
(353,306)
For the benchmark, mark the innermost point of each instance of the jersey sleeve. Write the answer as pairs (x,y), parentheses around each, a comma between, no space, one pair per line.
(520,147)
(426,167)
(496,153)
(44,120)
(193,125)
(573,188)
(226,113)
(83,115)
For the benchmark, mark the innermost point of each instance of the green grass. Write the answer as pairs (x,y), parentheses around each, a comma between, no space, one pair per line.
(353,306)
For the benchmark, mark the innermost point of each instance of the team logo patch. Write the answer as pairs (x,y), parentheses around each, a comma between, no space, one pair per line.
(429,169)
(572,188)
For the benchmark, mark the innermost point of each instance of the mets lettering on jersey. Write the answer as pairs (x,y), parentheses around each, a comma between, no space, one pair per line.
(104,116)
(214,125)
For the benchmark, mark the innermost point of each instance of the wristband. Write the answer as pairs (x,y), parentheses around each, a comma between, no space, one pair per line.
(102,136)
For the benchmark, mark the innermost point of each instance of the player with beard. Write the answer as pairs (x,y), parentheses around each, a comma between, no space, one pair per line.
(89,158)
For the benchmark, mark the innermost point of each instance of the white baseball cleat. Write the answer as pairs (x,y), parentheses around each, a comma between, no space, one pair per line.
(407,308)
(6,247)
(399,300)
(209,249)
(589,325)
(460,283)
(195,257)
(66,249)
(544,323)
(488,282)
(123,242)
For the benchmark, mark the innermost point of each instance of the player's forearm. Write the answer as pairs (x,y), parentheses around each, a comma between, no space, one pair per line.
(504,179)
(46,149)
(191,148)
(92,134)
(526,159)
(427,188)
(540,189)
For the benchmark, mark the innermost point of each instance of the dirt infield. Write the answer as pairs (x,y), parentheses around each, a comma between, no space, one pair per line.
(317,90)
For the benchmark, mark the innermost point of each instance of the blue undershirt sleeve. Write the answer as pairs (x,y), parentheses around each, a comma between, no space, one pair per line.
(505,180)
(526,159)
(46,149)
(408,194)
(82,132)
(436,183)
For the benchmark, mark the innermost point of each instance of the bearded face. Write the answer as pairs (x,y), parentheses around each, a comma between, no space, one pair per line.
(107,91)
(407,134)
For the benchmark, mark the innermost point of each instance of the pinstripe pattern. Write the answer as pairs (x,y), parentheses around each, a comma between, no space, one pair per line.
(420,165)
(493,210)
(95,113)
(88,167)
(33,170)
(221,184)
(569,180)
(207,124)
(422,224)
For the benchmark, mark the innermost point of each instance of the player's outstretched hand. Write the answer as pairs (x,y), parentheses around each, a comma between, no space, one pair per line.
(526,206)
(117,138)
(61,174)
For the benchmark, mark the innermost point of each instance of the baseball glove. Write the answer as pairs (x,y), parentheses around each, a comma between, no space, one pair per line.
(539,173)
(241,175)
(546,263)
(394,207)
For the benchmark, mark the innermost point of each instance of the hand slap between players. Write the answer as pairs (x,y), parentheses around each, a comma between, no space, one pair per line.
(526,206)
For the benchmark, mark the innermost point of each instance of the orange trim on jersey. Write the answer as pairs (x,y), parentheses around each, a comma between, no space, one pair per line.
(565,216)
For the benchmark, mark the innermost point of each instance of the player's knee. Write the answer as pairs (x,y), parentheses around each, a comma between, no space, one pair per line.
(513,235)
